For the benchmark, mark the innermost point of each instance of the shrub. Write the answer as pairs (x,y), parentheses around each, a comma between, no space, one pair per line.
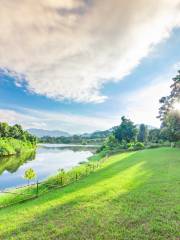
(131,148)
(177,144)
(138,146)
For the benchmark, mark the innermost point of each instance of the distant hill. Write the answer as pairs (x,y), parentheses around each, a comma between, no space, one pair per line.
(94,135)
(98,134)
(106,133)
(52,133)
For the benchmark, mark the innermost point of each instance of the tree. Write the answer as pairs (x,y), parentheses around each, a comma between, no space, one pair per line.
(169,116)
(126,131)
(143,133)
(168,102)
(154,135)
(29,174)
(171,126)
(16,132)
(111,141)
(4,129)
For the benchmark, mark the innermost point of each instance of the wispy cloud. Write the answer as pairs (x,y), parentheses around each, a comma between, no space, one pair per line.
(142,105)
(30,118)
(68,49)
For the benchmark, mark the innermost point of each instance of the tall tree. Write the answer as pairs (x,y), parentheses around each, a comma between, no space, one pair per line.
(171,126)
(169,116)
(126,131)
(143,133)
(168,102)
(154,135)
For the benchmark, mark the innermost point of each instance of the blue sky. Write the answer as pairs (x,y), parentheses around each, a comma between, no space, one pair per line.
(90,91)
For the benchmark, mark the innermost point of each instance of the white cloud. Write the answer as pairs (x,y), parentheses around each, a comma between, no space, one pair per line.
(141,106)
(70,48)
(31,118)
(14,117)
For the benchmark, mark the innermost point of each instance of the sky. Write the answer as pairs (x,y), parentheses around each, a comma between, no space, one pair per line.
(79,65)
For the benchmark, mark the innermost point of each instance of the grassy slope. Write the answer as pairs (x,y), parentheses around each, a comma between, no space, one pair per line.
(133,196)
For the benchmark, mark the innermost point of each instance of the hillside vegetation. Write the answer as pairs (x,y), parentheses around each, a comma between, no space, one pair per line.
(15,140)
(11,146)
(133,195)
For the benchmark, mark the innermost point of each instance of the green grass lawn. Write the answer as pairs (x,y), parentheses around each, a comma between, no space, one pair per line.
(132,196)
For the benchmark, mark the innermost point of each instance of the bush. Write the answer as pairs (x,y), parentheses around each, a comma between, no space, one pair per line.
(177,144)
(131,148)
(157,145)
(138,146)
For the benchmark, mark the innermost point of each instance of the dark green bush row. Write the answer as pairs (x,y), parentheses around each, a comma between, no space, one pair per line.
(106,150)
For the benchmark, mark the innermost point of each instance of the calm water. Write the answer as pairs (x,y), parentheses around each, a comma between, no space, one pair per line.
(49,158)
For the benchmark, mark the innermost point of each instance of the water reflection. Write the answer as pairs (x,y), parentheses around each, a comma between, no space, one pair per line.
(11,164)
(48,159)
(74,148)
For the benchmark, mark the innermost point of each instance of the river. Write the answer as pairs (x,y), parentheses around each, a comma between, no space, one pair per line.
(48,159)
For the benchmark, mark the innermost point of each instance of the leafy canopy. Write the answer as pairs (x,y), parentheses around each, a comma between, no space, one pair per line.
(126,131)
(16,132)
(29,174)
(169,116)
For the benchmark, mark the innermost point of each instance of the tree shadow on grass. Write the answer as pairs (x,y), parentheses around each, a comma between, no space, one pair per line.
(95,215)
(98,176)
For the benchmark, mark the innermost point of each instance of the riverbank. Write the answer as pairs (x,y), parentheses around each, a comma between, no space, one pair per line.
(132,196)
(46,162)
(11,146)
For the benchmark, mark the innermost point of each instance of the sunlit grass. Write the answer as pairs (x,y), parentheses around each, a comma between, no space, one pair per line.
(132,196)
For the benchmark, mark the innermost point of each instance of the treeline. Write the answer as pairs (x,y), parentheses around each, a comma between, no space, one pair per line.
(14,140)
(132,137)
(75,139)
(127,136)
(16,132)
(169,112)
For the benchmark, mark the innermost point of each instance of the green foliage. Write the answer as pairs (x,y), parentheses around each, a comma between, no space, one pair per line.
(111,141)
(75,139)
(16,132)
(142,133)
(169,116)
(126,131)
(14,140)
(121,138)
(171,126)
(12,163)
(11,146)
(178,144)
(138,146)
(168,101)
(29,174)
(154,135)
(131,196)
(158,145)
(100,154)
(4,129)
